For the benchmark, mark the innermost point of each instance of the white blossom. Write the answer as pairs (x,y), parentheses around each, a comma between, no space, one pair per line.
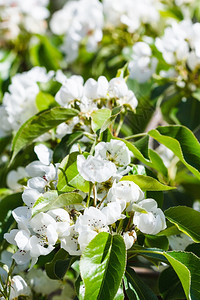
(96,89)
(142,65)
(72,89)
(70,241)
(153,220)
(125,192)
(19,15)
(78,20)
(62,219)
(18,288)
(118,89)
(116,151)
(40,283)
(30,196)
(19,103)
(90,224)
(14,176)
(95,169)
(131,13)
(129,238)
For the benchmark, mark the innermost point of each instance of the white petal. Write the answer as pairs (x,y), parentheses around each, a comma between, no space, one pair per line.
(43,153)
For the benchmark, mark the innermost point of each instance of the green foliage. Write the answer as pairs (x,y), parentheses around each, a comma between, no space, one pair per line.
(38,125)
(170,286)
(7,204)
(147,183)
(182,142)
(57,268)
(45,101)
(102,266)
(63,148)
(51,200)
(135,288)
(69,177)
(99,117)
(186,219)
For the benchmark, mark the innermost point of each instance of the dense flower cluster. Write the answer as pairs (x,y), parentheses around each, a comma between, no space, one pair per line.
(19,104)
(29,15)
(37,234)
(99,130)
(87,19)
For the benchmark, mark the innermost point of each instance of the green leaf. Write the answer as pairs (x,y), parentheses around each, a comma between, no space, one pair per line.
(170,286)
(69,177)
(42,202)
(51,200)
(99,117)
(147,156)
(182,142)
(57,268)
(38,125)
(120,293)
(123,72)
(157,162)
(172,230)
(177,262)
(186,219)
(44,53)
(153,241)
(135,288)
(7,204)
(4,141)
(196,94)
(147,183)
(115,112)
(45,101)
(63,148)
(185,264)
(102,266)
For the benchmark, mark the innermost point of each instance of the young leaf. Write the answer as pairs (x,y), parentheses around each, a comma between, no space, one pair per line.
(69,177)
(135,288)
(186,219)
(115,112)
(38,125)
(51,200)
(102,266)
(99,117)
(182,142)
(147,183)
(43,201)
(45,101)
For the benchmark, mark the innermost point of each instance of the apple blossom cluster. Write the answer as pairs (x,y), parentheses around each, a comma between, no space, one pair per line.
(78,20)
(93,93)
(19,104)
(85,20)
(16,15)
(142,64)
(103,209)
(130,13)
(35,281)
(180,45)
